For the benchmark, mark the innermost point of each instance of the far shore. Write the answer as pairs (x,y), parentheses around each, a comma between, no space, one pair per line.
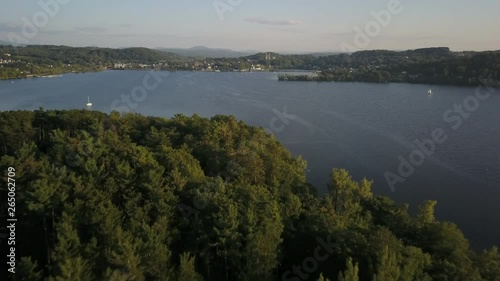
(58,75)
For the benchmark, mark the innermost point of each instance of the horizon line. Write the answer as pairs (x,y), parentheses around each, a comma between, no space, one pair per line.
(4,43)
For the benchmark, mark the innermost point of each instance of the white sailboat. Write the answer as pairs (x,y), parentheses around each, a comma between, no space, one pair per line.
(429,93)
(89,104)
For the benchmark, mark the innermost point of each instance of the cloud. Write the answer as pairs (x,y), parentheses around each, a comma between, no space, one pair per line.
(82,30)
(56,32)
(89,29)
(290,30)
(273,22)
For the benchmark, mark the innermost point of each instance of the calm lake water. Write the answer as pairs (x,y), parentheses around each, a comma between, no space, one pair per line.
(361,127)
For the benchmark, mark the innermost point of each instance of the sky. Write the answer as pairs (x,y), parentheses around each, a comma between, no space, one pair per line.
(264,25)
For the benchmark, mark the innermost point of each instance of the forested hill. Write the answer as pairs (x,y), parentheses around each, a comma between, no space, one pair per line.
(39,60)
(129,197)
(44,55)
(428,66)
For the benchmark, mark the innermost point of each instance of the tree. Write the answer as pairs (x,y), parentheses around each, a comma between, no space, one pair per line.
(322,278)
(68,263)
(425,214)
(345,197)
(489,264)
(387,268)
(449,251)
(27,270)
(187,271)
(351,272)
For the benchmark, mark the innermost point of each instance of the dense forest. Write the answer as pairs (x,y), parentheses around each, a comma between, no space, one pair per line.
(129,197)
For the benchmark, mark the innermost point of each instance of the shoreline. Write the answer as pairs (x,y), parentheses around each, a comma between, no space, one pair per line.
(51,75)
(60,75)
(422,81)
(494,85)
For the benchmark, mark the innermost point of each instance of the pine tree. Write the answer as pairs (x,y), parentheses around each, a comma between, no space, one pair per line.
(122,254)
(187,270)
(489,264)
(351,273)
(387,268)
(68,264)
(321,278)
(425,214)
(27,270)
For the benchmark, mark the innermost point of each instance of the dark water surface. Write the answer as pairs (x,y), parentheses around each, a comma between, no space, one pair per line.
(361,127)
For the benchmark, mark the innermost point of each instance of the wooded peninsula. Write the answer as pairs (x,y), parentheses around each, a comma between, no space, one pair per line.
(129,197)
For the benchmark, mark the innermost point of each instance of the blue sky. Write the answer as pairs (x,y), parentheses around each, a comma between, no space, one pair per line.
(266,25)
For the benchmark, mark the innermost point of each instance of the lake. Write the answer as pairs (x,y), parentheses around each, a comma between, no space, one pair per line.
(361,127)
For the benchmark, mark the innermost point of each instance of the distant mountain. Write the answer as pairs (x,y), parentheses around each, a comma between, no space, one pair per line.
(5,43)
(50,54)
(324,54)
(316,54)
(146,54)
(205,52)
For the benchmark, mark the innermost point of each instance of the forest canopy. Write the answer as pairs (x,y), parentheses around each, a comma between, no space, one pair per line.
(130,197)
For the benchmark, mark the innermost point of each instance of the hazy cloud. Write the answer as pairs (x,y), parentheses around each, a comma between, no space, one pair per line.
(273,22)
(90,29)
(56,32)
(284,29)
